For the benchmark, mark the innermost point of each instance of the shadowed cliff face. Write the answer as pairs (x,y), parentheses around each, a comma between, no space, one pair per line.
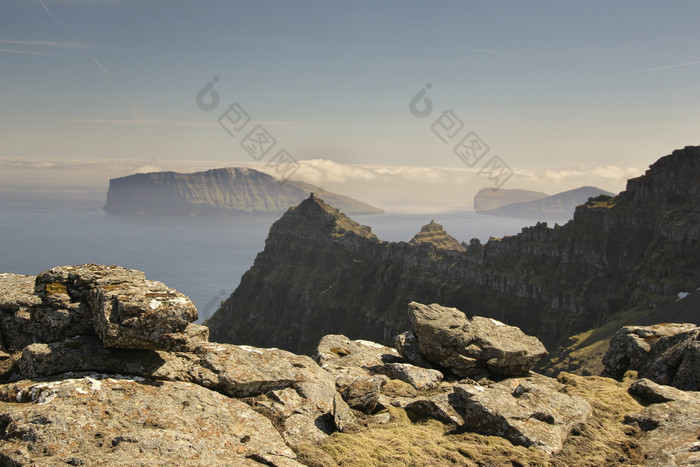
(218,191)
(322,273)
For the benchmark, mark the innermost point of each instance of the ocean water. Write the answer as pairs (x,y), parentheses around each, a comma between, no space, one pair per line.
(203,257)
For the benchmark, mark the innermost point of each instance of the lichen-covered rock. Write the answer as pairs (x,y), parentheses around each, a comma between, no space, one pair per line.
(665,353)
(670,425)
(472,347)
(529,411)
(114,420)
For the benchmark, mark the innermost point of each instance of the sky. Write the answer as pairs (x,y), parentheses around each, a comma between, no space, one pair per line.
(562,93)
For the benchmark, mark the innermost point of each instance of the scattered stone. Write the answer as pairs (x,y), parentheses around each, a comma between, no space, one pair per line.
(653,393)
(665,353)
(407,346)
(349,360)
(443,406)
(470,347)
(527,411)
(343,417)
(381,418)
(420,378)
(363,393)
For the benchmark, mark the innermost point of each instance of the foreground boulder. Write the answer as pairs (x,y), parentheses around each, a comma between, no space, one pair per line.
(472,347)
(665,353)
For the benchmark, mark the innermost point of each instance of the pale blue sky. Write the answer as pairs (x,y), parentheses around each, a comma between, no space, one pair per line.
(545,84)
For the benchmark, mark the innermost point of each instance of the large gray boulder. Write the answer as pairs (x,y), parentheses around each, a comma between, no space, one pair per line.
(472,347)
(664,353)
(531,411)
(105,419)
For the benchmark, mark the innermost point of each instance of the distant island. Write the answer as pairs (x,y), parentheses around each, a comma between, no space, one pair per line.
(226,191)
(533,204)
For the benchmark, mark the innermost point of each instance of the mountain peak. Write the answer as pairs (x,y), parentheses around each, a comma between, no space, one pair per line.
(314,212)
(434,234)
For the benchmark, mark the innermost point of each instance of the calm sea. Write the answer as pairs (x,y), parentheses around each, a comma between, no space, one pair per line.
(203,257)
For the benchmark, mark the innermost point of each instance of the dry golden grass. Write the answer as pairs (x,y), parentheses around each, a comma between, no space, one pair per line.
(604,440)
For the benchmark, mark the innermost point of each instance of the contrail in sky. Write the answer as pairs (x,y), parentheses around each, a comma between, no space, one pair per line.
(665,67)
(75,39)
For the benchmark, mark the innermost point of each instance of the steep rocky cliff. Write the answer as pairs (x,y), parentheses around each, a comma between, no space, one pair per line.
(218,191)
(619,259)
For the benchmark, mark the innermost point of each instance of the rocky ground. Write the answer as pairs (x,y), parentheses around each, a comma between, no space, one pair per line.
(101,366)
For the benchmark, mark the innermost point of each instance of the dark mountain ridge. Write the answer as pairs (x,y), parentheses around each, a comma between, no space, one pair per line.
(619,259)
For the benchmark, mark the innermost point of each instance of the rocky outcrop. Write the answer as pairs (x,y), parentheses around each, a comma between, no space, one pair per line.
(473,347)
(105,349)
(560,206)
(216,192)
(77,401)
(665,353)
(322,273)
